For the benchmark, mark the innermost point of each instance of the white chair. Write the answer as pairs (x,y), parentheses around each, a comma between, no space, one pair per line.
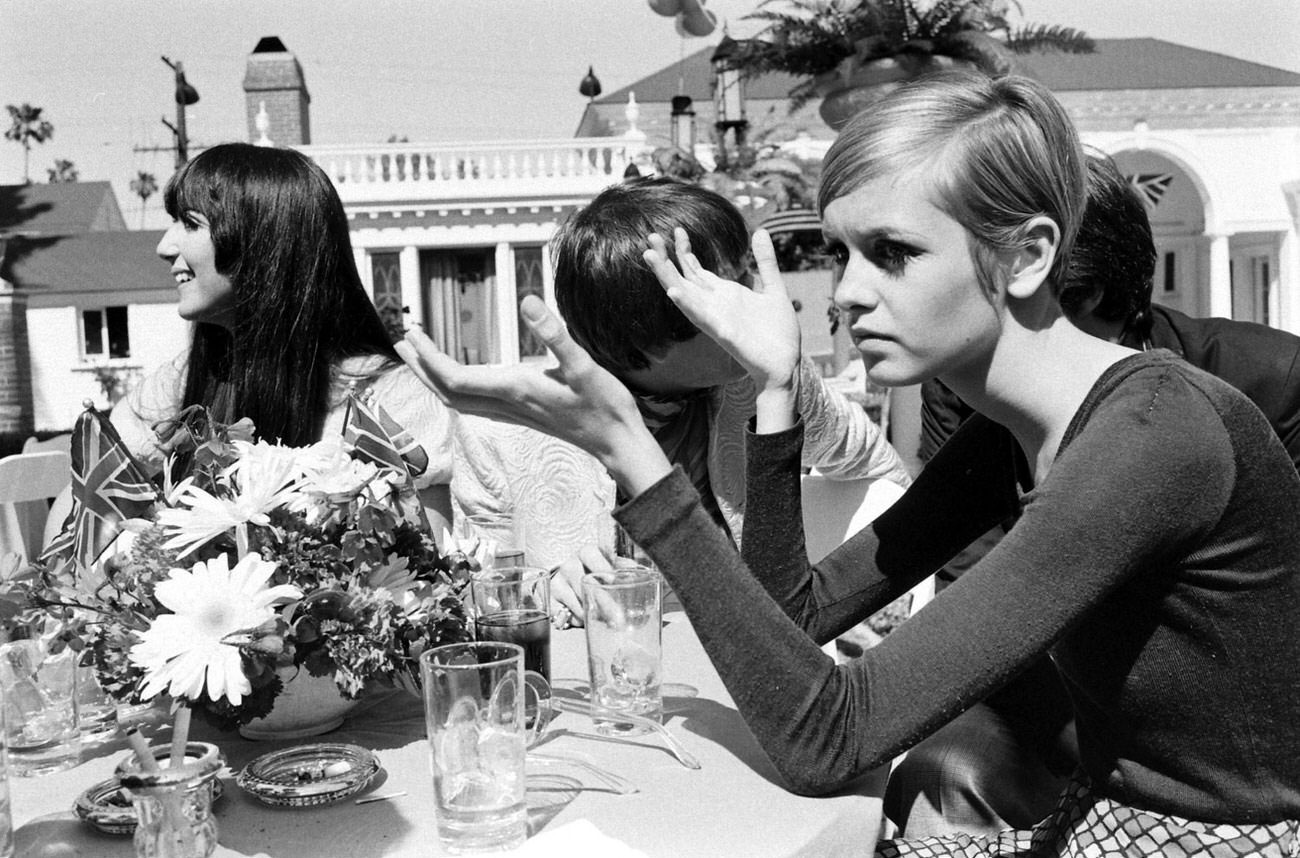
(55,444)
(28,482)
(834,510)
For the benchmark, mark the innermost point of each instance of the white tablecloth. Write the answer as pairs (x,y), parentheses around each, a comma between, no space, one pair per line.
(733,806)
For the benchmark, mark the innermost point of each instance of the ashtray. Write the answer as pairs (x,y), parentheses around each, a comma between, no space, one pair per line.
(309,775)
(107,807)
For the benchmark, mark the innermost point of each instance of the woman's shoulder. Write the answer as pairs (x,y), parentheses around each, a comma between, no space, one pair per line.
(162,389)
(1162,374)
(1174,410)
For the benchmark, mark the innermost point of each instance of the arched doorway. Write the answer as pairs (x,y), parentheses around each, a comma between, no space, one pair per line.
(1177,211)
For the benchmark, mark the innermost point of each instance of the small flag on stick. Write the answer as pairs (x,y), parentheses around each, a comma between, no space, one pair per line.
(108,487)
(377,437)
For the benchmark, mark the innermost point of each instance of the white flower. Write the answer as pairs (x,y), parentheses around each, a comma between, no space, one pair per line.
(200,517)
(345,480)
(182,651)
(261,480)
(265,470)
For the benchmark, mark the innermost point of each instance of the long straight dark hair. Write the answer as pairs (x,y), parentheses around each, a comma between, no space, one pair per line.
(281,236)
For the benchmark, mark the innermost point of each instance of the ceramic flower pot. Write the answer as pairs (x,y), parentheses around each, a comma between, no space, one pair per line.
(308,706)
(844,96)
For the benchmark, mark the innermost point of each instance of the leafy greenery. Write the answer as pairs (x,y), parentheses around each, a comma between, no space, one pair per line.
(373,589)
(810,38)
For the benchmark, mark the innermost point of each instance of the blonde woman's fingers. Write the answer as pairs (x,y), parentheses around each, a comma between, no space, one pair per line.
(769,274)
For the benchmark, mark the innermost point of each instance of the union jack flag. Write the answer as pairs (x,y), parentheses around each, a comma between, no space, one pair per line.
(108,487)
(376,437)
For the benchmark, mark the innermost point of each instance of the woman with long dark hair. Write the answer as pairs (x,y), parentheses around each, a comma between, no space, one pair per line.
(283,327)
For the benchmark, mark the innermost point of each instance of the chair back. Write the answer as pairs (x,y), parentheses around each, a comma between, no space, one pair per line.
(28,483)
(834,510)
(54,444)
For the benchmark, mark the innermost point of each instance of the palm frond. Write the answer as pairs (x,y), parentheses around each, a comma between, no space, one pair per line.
(981,50)
(1049,37)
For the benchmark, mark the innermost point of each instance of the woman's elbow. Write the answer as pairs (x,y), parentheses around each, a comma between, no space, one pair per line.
(822,774)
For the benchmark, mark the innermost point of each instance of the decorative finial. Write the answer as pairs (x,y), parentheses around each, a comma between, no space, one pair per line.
(632,112)
(590,85)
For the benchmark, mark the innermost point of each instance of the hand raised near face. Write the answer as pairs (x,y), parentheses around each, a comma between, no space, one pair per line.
(756,326)
(573,398)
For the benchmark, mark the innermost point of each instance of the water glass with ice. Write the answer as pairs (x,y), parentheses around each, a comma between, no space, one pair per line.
(6,815)
(40,700)
(96,709)
(474,696)
(624,647)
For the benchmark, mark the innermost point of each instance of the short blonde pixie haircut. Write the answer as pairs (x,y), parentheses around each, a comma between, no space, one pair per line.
(1000,152)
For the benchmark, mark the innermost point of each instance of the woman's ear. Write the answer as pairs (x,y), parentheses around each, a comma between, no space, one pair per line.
(1030,265)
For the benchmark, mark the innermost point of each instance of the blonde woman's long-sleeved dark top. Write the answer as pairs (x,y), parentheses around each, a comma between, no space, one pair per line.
(1158,562)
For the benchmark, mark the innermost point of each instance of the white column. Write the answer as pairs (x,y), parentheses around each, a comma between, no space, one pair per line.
(408,261)
(1288,282)
(548,279)
(504,300)
(1220,277)
(1288,264)
(362,257)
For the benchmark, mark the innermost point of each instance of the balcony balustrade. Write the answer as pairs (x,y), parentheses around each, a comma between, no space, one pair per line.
(402,172)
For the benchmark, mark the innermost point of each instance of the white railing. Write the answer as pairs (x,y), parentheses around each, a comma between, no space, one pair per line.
(398,171)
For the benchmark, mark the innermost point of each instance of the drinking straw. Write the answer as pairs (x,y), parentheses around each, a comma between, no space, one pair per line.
(180,736)
(141,748)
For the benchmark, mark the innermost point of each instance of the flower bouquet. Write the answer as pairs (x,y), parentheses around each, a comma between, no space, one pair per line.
(260,558)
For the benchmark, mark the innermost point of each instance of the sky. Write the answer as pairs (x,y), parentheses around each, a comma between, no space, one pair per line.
(429,70)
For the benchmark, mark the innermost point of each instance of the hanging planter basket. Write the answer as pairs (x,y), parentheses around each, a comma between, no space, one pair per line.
(844,95)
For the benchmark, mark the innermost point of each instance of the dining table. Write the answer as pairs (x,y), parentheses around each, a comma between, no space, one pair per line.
(734,804)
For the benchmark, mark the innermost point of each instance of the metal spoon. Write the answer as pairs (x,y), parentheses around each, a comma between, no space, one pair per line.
(685,757)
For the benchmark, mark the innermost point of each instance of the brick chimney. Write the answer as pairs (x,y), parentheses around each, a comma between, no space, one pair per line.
(273,78)
(16,406)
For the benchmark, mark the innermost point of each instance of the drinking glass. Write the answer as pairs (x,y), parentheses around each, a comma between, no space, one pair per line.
(624,647)
(173,804)
(40,700)
(512,605)
(474,713)
(503,532)
(6,816)
(96,709)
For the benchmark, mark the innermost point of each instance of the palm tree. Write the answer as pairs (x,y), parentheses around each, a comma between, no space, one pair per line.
(143,186)
(63,171)
(27,127)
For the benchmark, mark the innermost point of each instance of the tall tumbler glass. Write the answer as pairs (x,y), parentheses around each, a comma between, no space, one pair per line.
(40,700)
(512,605)
(624,647)
(6,815)
(474,712)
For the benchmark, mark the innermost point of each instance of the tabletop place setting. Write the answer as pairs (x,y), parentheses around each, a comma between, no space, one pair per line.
(505,742)
(276,655)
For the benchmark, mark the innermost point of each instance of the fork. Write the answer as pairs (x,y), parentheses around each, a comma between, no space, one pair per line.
(685,757)
(617,783)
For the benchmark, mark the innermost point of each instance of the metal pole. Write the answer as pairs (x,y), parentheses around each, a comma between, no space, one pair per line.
(182,139)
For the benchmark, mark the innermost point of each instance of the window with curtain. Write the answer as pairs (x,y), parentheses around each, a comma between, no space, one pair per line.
(104,333)
(528,281)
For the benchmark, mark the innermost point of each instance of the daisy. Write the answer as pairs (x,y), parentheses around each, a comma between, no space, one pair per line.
(261,480)
(186,650)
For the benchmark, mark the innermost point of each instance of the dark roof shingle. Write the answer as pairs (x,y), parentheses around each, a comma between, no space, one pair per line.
(1142,63)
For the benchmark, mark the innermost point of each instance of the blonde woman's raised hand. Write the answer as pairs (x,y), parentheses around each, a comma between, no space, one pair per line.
(758,326)
(573,398)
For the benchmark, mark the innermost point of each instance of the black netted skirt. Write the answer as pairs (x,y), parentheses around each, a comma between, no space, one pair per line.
(1085,825)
